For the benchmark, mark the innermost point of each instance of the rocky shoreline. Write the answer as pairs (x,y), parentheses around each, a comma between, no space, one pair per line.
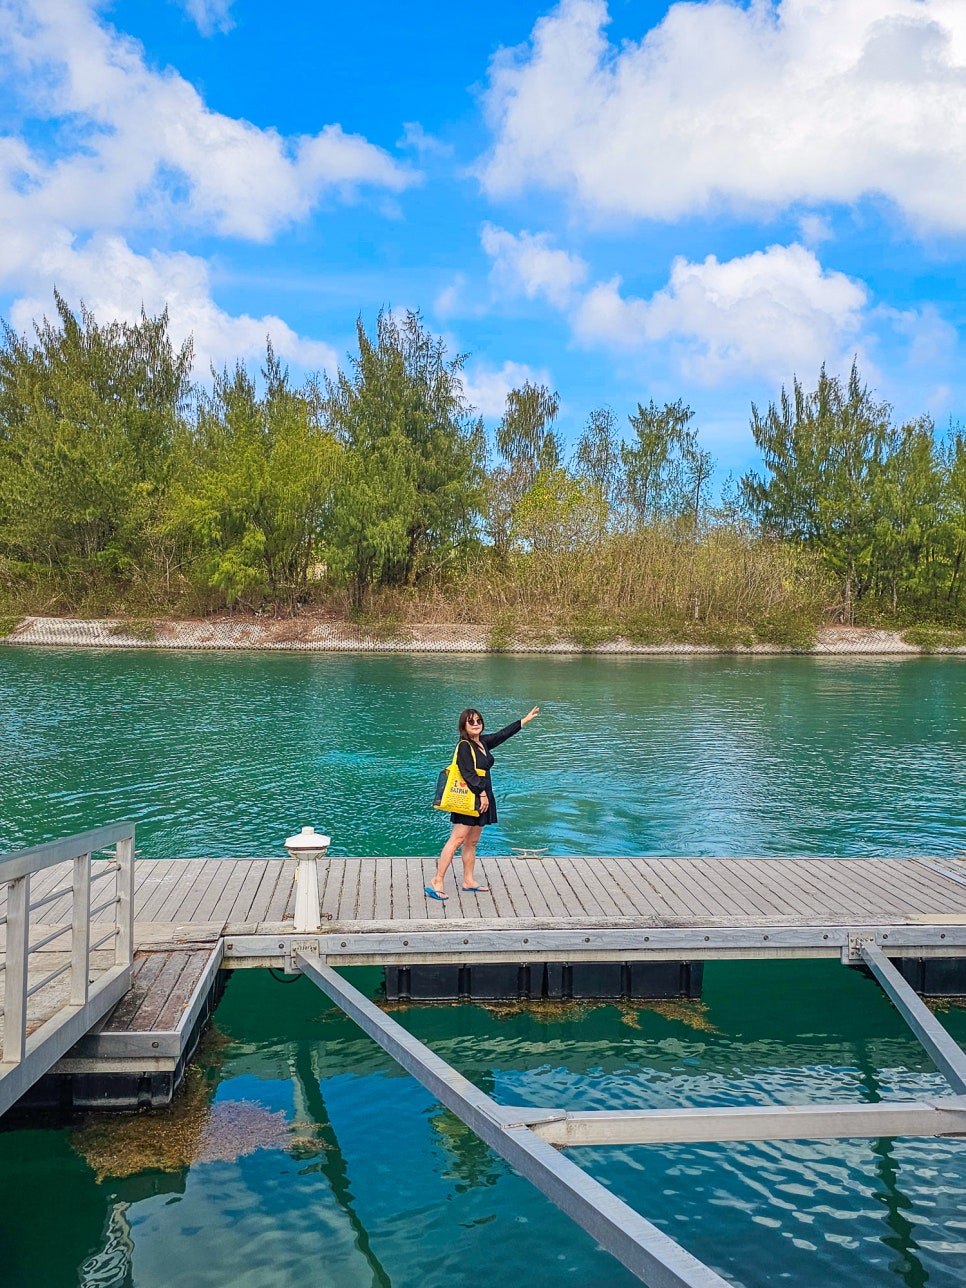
(308,634)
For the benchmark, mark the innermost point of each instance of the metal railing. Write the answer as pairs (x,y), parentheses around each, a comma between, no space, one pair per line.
(92,991)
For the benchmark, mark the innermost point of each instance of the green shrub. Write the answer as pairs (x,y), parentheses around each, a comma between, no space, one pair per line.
(588,630)
(136,629)
(502,632)
(929,637)
(788,628)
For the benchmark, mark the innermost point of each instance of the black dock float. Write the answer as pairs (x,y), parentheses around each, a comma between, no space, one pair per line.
(502,982)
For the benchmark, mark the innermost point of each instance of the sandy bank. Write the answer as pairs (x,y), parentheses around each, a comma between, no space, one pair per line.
(313,635)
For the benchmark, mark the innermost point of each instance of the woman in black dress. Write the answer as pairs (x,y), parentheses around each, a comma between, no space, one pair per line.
(475,760)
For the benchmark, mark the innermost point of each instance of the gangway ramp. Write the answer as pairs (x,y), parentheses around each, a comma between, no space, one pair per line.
(60,977)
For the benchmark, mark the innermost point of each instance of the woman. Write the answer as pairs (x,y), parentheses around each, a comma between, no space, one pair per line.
(474,759)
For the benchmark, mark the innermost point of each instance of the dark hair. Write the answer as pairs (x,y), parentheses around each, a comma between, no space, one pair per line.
(470,711)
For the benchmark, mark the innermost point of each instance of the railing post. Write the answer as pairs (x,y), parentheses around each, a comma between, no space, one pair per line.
(80,932)
(124,949)
(15,995)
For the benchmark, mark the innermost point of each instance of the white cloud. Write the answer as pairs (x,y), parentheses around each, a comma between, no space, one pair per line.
(133,151)
(449,301)
(209,16)
(416,138)
(755,105)
(814,229)
(114,282)
(487,387)
(768,314)
(145,147)
(527,261)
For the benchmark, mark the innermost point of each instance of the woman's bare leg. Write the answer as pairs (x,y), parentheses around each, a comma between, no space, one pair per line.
(469,856)
(456,838)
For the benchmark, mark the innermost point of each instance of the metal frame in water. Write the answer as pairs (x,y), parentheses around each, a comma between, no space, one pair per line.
(529,1138)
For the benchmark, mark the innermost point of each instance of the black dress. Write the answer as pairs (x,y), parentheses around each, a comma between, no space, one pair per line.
(477,778)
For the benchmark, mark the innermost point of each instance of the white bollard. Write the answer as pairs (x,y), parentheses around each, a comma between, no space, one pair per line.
(307,847)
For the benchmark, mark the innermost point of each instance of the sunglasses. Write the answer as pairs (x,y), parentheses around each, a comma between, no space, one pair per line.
(473,720)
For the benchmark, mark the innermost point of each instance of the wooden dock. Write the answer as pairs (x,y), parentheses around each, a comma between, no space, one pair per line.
(129,997)
(195,917)
(181,900)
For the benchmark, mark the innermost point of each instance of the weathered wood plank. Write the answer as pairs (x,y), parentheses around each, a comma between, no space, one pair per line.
(283,896)
(203,909)
(223,904)
(196,873)
(634,890)
(330,882)
(147,967)
(263,895)
(169,1016)
(240,911)
(382,895)
(173,872)
(519,896)
(725,879)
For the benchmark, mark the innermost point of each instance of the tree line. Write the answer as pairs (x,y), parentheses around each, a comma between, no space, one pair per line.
(122,481)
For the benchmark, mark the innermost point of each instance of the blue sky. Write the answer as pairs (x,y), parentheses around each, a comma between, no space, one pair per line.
(623,200)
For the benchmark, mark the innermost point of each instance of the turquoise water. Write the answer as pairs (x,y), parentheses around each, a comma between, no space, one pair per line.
(223,754)
(367,1181)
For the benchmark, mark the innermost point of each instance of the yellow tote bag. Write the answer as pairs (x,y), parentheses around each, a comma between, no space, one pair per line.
(452,794)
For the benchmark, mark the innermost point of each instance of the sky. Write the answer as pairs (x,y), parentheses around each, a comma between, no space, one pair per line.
(624,200)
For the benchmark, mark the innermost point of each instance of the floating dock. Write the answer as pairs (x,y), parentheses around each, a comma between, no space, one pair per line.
(111,1018)
(550,927)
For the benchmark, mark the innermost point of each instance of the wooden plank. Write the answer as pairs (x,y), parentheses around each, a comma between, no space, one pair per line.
(497,881)
(605,896)
(199,893)
(151,875)
(690,900)
(262,897)
(647,874)
(382,900)
(223,904)
(330,884)
(788,884)
(192,872)
(905,882)
(366,899)
(240,913)
(538,885)
(774,893)
(349,903)
(868,893)
(949,891)
(420,904)
(518,894)
(731,897)
(283,896)
(174,872)
(575,895)
(169,1017)
(635,892)
(145,1017)
(147,967)
(204,907)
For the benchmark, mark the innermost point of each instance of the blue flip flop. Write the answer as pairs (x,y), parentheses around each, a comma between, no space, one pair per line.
(475,889)
(435,894)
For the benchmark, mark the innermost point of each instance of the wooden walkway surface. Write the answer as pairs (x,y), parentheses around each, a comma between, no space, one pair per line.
(194,915)
(202,900)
